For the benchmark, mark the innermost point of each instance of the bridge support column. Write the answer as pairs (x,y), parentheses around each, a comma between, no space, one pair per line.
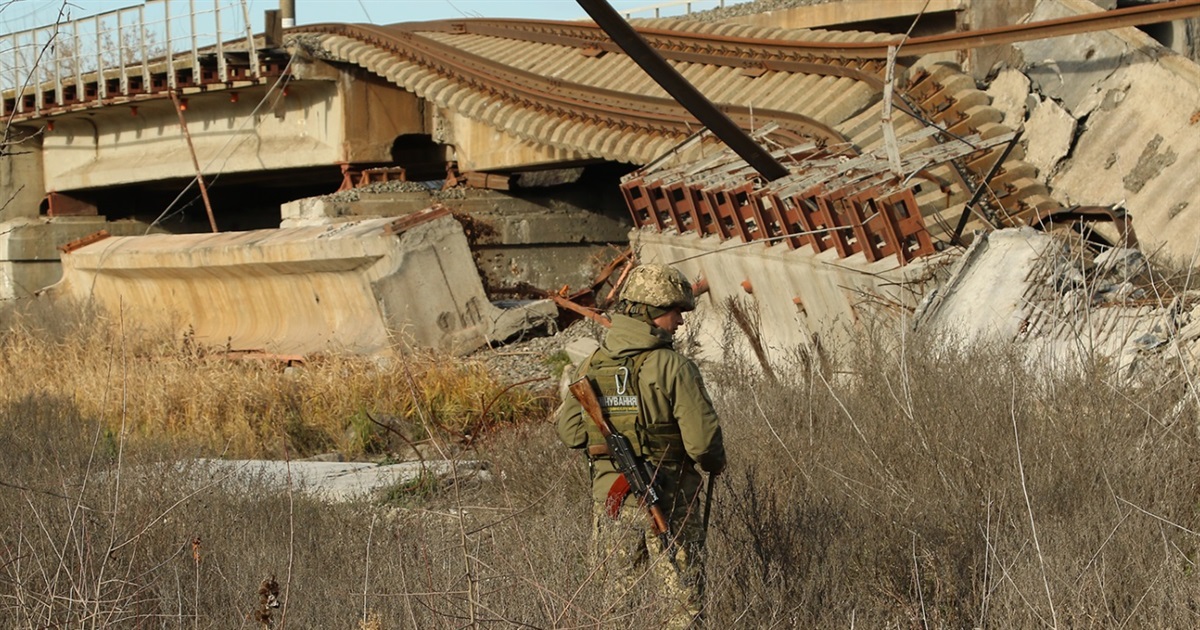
(22,178)
(481,147)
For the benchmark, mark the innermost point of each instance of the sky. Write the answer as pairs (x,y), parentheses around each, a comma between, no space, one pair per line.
(18,15)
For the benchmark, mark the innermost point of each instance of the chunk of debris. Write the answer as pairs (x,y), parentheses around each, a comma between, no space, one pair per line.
(1054,130)
(1010,94)
(1065,307)
(359,287)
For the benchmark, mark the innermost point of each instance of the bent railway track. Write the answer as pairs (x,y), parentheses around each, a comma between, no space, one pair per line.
(754,51)
(548,83)
(569,86)
(732,41)
(471,62)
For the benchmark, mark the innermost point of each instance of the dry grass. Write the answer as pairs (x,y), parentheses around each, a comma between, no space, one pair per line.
(909,489)
(165,389)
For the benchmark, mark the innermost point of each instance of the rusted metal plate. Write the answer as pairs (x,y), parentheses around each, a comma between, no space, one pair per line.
(67,248)
(64,205)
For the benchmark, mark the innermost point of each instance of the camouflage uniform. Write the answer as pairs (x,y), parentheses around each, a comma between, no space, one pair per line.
(676,429)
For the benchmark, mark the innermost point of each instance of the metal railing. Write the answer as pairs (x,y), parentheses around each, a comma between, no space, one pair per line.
(126,45)
(678,7)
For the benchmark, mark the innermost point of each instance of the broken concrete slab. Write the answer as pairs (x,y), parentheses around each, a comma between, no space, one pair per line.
(984,298)
(1143,149)
(335,482)
(1010,94)
(1063,309)
(29,255)
(1070,69)
(1139,115)
(360,287)
(533,238)
(1050,134)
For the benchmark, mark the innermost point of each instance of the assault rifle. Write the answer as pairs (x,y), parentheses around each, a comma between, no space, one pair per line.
(635,470)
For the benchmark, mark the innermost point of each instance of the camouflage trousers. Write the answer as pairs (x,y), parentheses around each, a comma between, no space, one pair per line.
(631,555)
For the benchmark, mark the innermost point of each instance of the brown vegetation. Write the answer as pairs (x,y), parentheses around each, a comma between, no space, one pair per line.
(910,489)
(171,390)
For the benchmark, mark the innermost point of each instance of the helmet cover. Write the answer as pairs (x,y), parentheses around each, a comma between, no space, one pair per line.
(660,286)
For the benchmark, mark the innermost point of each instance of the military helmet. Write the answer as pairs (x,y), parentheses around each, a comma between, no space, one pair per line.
(660,286)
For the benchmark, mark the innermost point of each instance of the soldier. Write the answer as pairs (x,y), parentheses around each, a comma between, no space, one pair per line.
(656,398)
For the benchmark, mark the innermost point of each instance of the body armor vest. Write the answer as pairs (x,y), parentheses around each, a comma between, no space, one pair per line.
(616,380)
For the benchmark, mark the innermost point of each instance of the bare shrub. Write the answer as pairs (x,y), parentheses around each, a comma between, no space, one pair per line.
(956,491)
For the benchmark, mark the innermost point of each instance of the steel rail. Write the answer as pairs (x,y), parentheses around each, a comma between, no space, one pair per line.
(565,99)
(1058,27)
(678,46)
(767,50)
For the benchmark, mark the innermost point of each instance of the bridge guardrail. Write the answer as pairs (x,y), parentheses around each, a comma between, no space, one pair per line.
(121,46)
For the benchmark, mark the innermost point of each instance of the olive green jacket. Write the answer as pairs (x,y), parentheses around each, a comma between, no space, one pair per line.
(671,390)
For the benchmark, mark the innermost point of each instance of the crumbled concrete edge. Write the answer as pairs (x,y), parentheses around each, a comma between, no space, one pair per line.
(931,304)
(333,482)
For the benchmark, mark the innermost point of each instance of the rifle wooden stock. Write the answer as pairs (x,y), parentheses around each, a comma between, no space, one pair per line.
(583,391)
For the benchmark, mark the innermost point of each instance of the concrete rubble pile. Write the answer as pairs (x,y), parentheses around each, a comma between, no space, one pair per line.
(1066,307)
(1109,120)
(1111,117)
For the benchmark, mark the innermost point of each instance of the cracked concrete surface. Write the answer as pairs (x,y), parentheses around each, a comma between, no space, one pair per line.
(1010,92)
(1063,307)
(1049,135)
(1073,69)
(1138,107)
(1149,165)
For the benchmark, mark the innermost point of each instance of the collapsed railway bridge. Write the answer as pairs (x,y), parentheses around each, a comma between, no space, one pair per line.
(548,144)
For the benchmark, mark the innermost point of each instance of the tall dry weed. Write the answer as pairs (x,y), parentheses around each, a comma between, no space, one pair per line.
(907,487)
(958,490)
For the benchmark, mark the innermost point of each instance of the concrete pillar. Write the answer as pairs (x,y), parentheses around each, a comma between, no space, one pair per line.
(22,181)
